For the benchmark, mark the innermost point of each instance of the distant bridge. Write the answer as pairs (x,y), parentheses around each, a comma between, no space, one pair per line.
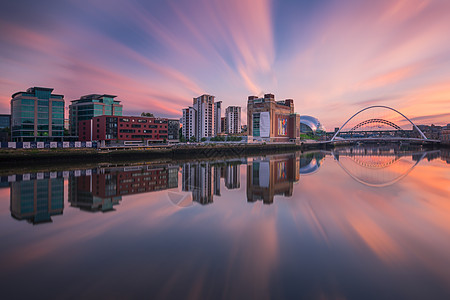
(376,121)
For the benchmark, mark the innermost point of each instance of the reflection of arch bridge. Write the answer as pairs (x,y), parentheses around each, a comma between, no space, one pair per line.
(378,169)
(377,163)
(380,121)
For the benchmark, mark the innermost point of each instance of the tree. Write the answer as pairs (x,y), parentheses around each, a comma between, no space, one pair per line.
(147,114)
(193,139)
(203,139)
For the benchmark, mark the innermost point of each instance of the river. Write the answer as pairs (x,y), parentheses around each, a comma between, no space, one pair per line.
(352,223)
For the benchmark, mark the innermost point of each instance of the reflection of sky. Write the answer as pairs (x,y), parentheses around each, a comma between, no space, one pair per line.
(334,237)
(327,55)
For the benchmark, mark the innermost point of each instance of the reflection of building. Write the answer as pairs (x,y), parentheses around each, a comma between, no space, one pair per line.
(445,155)
(311,125)
(105,188)
(310,162)
(197,179)
(232,176)
(445,135)
(217,174)
(37,200)
(275,175)
(271,120)
(37,115)
(233,120)
(94,193)
(90,106)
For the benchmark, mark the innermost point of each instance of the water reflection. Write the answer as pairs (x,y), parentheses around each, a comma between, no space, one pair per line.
(270,176)
(103,188)
(380,166)
(310,162)
(37,197)
(202,179)
(321,235)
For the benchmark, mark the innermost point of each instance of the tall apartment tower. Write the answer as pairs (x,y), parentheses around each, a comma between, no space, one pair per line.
(37,115)
(217,117)
(204,106)
(189,121)
(233,120)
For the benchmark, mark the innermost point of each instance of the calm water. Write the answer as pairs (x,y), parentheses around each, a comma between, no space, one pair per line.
(356,223)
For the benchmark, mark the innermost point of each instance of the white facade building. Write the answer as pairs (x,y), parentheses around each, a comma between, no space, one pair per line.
(189,121)
(233,120)
(204,106)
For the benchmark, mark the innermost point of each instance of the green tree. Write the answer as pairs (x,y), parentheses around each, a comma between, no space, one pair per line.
(193,139)
(147,114)
(203,139)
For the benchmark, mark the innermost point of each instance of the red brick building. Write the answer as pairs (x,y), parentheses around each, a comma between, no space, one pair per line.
(123,128)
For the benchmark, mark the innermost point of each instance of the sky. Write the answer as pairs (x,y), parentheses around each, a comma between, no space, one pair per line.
(333,57)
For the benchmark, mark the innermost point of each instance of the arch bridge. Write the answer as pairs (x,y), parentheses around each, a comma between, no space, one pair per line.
(394,134)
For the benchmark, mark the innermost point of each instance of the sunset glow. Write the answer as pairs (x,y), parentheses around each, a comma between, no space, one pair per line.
(332,57)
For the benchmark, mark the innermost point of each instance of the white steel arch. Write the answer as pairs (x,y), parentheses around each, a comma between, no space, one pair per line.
(379,106)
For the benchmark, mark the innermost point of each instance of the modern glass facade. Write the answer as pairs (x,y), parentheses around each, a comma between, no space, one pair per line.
(5,121)
(37,115)
(90,106)
(37,200)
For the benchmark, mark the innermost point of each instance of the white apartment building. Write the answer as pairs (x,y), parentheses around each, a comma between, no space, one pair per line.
(189,121)
(204,106)
(233,120)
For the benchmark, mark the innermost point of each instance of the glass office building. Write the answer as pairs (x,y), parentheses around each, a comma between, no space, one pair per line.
(90,106)
(37,115)
(5,121)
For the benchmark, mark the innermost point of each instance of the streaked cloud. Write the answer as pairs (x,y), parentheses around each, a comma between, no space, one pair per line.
(332,56)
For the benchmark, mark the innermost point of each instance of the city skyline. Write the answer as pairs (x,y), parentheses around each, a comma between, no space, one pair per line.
(332,57)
